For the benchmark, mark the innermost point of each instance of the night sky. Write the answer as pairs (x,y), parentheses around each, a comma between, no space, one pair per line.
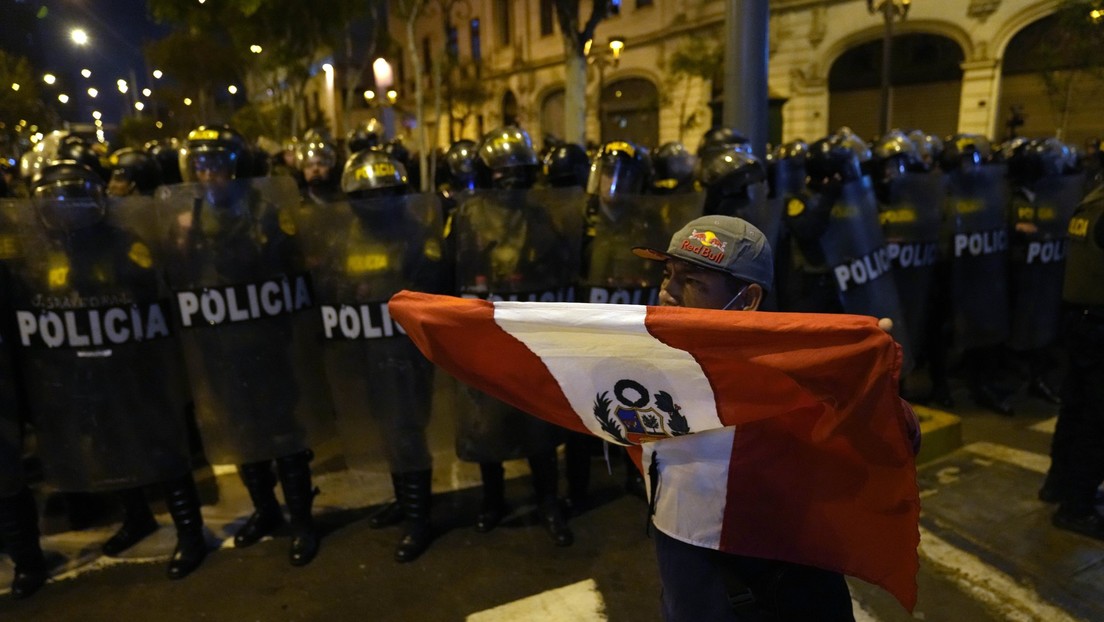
(117,30)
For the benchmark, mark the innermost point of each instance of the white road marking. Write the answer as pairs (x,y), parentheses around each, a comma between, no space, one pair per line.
(1045,426)
(996,590)
(1026,459)
(580,602)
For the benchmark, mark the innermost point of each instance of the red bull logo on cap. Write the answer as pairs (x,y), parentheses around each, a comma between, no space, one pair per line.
(707,244)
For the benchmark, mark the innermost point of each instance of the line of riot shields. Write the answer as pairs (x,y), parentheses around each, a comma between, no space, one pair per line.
(268,314)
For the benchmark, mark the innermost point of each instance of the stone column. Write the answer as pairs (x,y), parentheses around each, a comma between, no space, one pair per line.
(979,111)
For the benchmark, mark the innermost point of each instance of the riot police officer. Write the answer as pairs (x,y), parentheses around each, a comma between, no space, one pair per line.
(1077,450)
(133,171)
(363,251)
(1045,191)
(244,300)
(316,160)
(18,512)
(722,139)
(167,156)
(910,200)
(976,212)
(106,392)
(461,167)
(512,242)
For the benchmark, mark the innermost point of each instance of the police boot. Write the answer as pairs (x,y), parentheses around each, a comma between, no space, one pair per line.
(19,530)
(416,497)
(494,496)
(295,478)
(545,475)
(266,517)
(182,499)
(138,522)
(391,513)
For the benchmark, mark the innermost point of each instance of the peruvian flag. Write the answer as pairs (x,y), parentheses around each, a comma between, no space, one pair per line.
(799,413)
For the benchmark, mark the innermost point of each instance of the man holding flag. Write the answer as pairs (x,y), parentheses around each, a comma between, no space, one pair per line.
(778,452)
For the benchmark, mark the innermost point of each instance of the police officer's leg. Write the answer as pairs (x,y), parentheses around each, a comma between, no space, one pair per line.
(545,479)
(138,522)
(578,449)
(392,512)
(19,530)
(182,500)
(415,494)
(266,517)
(494,496)
(795,593)
(295,479)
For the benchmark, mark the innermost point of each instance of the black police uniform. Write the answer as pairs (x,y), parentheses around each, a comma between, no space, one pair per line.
(1077,450)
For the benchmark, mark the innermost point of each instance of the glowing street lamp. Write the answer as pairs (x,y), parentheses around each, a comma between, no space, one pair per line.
(369,95)
(49,78)
(63,98)
(256,49)
(157,74)
(146,92)
(96,115)
(139,106)
(232,89)
(187,101)
(121,83)
(87,73)
(78,36)
(15,86)
(93,92)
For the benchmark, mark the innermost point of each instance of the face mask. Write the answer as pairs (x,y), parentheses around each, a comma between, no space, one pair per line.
(738,296)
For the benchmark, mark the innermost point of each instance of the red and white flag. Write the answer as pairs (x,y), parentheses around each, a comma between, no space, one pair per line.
(808,428)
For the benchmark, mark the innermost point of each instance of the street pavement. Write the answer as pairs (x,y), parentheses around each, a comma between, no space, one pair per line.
(988,552)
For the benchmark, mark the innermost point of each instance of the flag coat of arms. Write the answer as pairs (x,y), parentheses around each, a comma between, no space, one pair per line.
(803,423)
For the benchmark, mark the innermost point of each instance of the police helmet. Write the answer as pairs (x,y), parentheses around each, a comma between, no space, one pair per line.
(460,163)
(68,196)
(134,166)
(619,169)
(928,146)
(793,150)
(895,154)
(373,173)
(364,137)
(214,148)
(722,139)
(828,161)
(964,152)
(167,155)
(567,166)
(76,149)
(509,155)
(729,173)
(673,165)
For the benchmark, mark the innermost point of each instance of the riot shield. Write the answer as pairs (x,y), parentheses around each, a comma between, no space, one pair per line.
(513,245)
(247,316)
(11,445)
(519,244)
(1038,253)
(855,249)
(611,272)
(911,222)
(764,212)
(101,369)
(978,248)
(360,253)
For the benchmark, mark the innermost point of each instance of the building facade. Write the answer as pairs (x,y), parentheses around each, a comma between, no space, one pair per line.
(958,66)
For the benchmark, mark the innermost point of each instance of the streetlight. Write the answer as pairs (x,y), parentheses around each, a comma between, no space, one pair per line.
(187,101)
(15,86)
(87,73)
(63,98)
(139,106)
(146,92)
(49,78)
(890,10)
(232,89)
(384,79)
(96,115)
(93,92)
(78,36)
(121,83)
(256,49)
(157,74)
